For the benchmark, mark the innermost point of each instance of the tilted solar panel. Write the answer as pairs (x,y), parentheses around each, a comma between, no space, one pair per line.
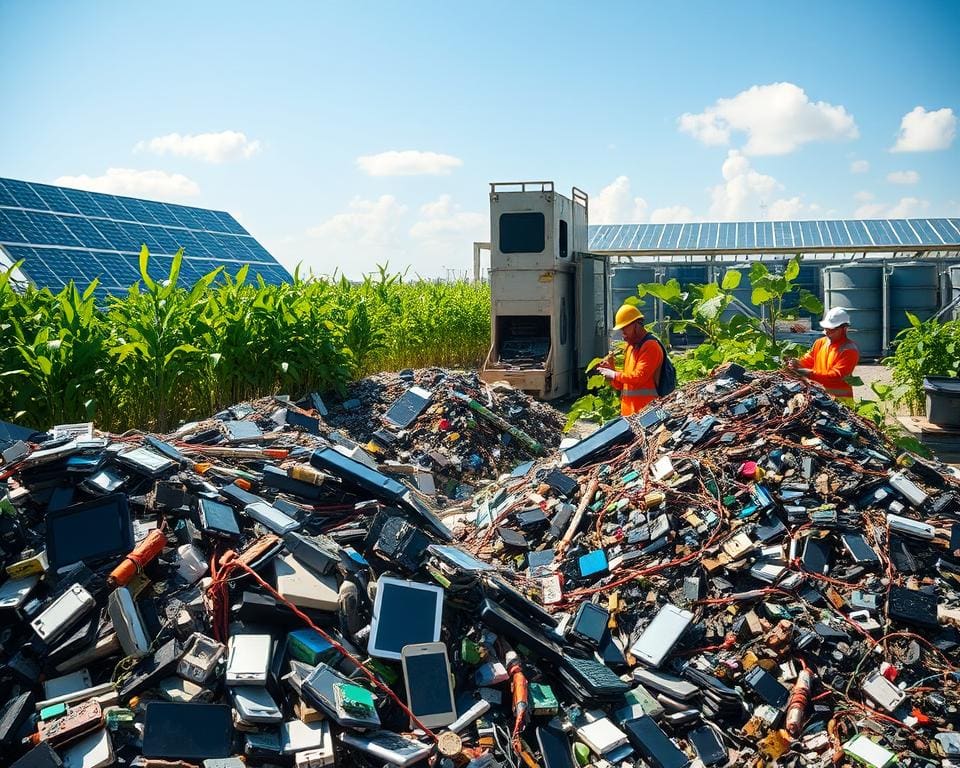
(795,236)
(64,234)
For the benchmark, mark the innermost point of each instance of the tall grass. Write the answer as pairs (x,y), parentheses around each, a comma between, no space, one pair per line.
(162,354)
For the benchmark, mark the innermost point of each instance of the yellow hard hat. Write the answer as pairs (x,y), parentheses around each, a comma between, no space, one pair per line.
(625,315)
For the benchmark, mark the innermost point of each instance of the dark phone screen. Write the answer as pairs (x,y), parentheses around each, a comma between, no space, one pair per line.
(709,747)
(429,684)
(816,556)
(555,747)
(591,621)
(657,749)
(767,688)
(859,549)
(407,616)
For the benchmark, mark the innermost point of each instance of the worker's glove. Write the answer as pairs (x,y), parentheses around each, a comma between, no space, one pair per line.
(607,373)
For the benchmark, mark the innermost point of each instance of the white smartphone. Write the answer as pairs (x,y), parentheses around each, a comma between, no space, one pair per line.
(389,746)
(248,659)
(658,639)
(426,672)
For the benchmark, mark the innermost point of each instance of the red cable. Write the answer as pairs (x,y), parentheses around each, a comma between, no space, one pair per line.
(231,563)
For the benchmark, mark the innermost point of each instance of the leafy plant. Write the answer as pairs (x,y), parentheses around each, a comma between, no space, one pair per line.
(602,401)
(770,290)
(882,412)
(163,352)
(925,348)
(730,336)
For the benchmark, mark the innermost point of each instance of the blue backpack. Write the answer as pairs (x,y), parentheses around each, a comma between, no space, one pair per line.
(665,379)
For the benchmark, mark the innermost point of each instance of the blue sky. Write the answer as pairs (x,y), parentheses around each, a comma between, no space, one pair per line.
(346,135)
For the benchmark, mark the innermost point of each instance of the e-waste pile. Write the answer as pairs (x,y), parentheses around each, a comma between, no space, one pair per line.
(745,573)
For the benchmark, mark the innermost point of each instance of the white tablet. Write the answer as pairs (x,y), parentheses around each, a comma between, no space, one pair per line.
(404,613)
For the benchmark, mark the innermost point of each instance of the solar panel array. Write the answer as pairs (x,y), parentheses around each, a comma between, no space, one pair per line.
(66,234)
(742,236)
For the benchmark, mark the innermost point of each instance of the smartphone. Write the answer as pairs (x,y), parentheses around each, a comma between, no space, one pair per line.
(653,744)
(590,623)
(248,659)
(767,687)
(389,746)
(664,682)
(555,747)
(426,672)
(218,519)
(709,748)
(859,549)
(658,639)
(255,705)
(816,556)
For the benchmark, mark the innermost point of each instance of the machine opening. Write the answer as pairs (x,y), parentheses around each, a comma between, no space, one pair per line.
(524,341)
(522,232)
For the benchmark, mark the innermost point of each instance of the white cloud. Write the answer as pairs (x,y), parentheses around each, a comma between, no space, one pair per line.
(746,191)
(208,147)
(128,181)
(354,241)
(672,214)
(863,196)
(743,190)
(369,222)
(614,204)
(922,131)
(908,207)
(904,208)
(408,163)
(778,119)
(903,177)
(444,221)
(859,166)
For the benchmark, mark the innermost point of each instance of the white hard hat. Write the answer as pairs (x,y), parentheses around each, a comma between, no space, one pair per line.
(835,318)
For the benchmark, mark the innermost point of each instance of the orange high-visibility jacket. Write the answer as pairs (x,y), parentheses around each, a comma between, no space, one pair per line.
(831,363)
(637,380)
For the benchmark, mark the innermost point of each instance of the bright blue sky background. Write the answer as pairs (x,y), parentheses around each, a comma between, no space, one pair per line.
(584,94)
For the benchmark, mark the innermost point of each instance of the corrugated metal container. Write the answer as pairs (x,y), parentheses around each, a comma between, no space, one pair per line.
(858,288)
(912,288)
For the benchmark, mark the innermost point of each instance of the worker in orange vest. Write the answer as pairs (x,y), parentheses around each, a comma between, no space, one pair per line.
(832,358)
(641,362)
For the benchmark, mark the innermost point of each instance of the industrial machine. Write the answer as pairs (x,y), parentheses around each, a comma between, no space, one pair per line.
(549,296)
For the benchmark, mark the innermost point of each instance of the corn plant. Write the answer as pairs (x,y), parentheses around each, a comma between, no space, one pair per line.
(162,353)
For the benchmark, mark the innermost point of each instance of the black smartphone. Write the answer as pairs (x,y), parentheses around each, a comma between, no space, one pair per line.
(816,556)
(767,687)
(653,744)
(589,623)
(554,747)
(858,547)
(709,748)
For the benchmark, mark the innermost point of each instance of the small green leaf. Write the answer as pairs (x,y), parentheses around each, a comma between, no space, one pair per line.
(792,272)
(731,279)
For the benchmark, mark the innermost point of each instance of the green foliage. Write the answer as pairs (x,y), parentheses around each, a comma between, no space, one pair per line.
(882,412)
(602,401)
(925,348)
(162,353)
(730,336)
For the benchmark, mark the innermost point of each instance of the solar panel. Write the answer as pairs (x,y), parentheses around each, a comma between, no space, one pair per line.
(744,236)
(63,234)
